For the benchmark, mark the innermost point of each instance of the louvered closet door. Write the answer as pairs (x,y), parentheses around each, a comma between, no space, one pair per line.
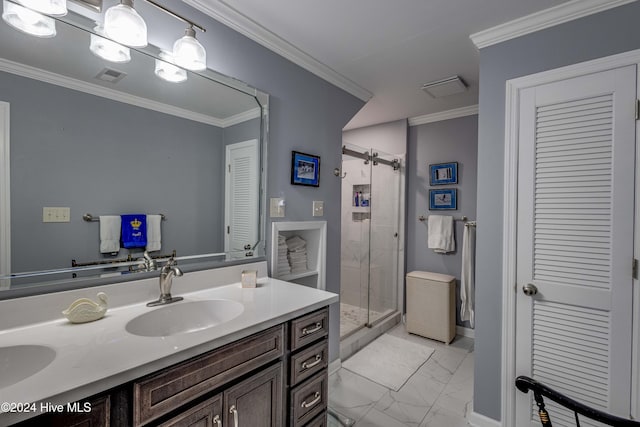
(241,196)
(575,241)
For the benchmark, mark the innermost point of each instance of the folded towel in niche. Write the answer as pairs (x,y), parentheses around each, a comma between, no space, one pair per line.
(134,231)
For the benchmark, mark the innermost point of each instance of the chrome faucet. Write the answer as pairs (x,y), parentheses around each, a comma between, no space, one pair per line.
(168,272)
(147,263)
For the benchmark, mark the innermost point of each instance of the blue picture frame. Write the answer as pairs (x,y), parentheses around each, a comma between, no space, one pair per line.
(305,169)
(443,173)
(444,199)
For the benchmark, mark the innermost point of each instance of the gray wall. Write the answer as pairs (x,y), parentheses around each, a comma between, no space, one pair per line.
(607,33)
(306,114)
(390,138)
(72,149)
(454,140)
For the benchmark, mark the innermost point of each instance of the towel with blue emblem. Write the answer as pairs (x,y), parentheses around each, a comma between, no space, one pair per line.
(134,231)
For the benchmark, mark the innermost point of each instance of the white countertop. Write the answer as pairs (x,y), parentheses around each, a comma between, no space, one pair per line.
(96,356)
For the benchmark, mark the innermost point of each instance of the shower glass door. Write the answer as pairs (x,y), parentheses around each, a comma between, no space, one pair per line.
(369,241)
(354,259)
(383,237)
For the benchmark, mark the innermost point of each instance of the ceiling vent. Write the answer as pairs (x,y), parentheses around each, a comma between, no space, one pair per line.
(445,87)
(110,75)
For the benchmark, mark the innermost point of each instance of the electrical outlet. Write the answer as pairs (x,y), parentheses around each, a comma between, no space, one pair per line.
(50,214)
(276,208)
(318,208)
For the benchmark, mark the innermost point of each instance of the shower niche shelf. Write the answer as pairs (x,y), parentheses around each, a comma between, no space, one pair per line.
(315,235)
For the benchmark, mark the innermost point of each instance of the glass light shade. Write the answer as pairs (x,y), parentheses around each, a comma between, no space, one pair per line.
(27,20)
(168,71)
(108,49)
(189,53)
(48,7)
(122,24)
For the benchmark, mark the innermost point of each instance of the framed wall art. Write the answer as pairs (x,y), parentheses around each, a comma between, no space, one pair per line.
(443,173)
(305,169)
(445,199)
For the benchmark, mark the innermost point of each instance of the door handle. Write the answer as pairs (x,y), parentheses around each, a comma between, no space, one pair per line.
(234,412)
(530,289)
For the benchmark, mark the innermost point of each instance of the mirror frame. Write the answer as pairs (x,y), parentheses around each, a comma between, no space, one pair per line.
(259,250)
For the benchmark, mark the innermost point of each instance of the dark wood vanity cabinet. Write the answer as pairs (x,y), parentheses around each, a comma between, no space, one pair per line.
(277,377)
(308,369)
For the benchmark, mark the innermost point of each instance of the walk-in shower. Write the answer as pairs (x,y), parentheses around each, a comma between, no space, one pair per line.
(371,199)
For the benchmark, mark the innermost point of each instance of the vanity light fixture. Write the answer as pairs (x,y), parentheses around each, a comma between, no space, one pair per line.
(124,25)
(108,49)
(48,7)
(189,53)
(28,21)
(166,70)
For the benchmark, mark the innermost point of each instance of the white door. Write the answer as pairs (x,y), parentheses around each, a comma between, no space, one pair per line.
(5,197)
(241,196)
(575,241)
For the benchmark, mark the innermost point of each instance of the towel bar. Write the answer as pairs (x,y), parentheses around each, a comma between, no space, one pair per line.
(423,218)
(90,218)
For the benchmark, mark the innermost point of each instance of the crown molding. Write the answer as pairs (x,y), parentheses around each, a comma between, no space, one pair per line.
(547,18)
(444,115)
(94,89)
(254,113)
(227,15)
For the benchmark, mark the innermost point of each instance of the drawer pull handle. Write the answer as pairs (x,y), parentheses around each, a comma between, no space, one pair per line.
(316,399)
(316,328)
(216,421)
(312,362)
(234,411)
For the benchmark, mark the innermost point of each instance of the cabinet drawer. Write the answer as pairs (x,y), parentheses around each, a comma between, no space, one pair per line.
(309,328)
(309,362)
(309,399)
(207,413)
(319,421)
(161,393)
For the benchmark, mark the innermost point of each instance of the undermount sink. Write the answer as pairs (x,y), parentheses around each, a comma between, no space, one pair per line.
(184,317)
(18,362)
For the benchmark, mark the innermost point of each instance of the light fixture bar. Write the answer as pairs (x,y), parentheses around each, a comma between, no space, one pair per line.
(175,15)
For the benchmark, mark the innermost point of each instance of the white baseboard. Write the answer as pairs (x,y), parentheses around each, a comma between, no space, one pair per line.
(465,332)
(478,420)
(335,365)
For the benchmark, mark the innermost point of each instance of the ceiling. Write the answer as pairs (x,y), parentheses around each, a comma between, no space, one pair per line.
(387,48)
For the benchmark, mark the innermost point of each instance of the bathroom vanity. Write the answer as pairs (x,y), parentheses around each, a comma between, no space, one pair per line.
(267,366)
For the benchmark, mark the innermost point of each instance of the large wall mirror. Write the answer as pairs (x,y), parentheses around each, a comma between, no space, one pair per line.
(84,138)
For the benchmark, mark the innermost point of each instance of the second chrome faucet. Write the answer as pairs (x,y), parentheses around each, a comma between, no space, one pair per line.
(167,273)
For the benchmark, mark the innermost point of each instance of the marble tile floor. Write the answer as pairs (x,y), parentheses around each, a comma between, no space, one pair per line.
(438,394)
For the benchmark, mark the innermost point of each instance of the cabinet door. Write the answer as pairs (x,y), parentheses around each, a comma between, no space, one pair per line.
(256,401)
(94,413)
(206,414)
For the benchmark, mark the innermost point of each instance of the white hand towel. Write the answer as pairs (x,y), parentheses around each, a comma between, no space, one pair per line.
(440,230)
(154,233)
(467,284)
(109,233)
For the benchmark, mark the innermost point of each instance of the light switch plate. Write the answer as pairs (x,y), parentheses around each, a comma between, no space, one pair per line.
(276,208)
(50,214)
(318,208)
